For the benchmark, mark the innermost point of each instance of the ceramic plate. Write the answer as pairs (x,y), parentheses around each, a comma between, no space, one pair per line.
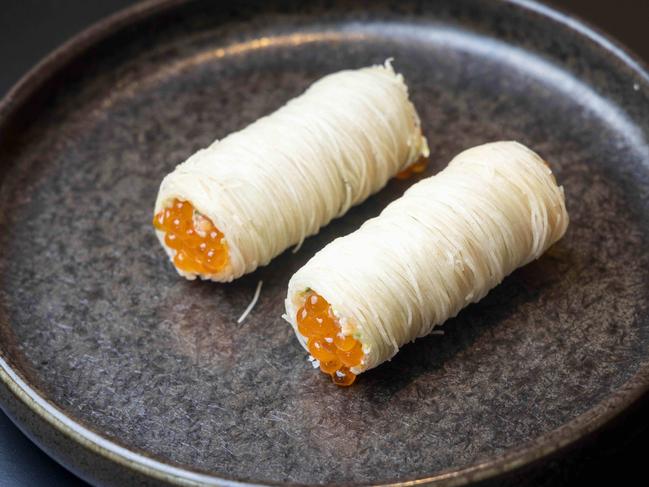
(127,373)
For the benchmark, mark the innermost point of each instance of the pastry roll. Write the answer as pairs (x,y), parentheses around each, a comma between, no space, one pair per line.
(444,244)
(243,200)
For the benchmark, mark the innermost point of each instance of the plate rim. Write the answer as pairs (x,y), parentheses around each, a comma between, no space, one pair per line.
(543,446)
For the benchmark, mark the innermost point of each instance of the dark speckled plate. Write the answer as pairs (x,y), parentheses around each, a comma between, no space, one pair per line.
(127,373)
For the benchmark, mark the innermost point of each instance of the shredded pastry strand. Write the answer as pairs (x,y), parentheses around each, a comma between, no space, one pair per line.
(269,186)
(444,244)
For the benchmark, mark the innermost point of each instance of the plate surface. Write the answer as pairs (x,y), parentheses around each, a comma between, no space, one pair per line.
(102,342)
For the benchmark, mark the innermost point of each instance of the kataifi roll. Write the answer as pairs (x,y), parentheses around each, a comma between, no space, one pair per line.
(444,244)
(237,204)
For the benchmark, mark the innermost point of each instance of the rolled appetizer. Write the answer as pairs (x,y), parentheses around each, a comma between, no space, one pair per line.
(444,244)
(235,205)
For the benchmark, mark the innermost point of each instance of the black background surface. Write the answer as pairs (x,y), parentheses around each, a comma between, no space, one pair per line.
(29,29)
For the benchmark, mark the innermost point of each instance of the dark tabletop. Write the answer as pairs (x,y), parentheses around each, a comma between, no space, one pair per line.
(29,29)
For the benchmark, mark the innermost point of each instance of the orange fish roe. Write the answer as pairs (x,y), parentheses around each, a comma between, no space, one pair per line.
(199,246)
(337,353)
(416,168)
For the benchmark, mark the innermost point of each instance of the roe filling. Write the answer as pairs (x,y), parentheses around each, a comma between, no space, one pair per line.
(337,353)
(199,247)
(416,168)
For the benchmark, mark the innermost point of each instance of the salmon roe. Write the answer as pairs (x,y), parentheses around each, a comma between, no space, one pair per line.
(337,353)
(416,168)
(199,246)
